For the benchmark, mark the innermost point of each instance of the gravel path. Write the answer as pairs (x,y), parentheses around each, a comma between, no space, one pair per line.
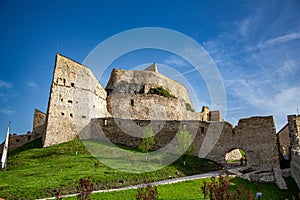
(165,182)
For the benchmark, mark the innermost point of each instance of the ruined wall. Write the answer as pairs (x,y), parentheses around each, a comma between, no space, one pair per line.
(256,136)
(212,140)
(138,81)
(38,129)
(284,141)
(129,98)
(16,141)
(148,106)
(76,96)
(39,123)
(129,132)
(294,127)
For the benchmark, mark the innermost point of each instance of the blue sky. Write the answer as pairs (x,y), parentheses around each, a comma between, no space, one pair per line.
(255,45)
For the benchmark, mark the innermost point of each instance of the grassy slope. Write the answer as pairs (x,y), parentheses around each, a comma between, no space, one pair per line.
(38,172)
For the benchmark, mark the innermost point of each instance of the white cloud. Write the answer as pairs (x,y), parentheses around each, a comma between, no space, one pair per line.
(5,84)
(31,84)
(7,111)
(172,60)
(279,40)
(288,67)
(244,26)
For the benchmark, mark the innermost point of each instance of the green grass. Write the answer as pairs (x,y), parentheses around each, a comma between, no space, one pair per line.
(191,190)
(38,172)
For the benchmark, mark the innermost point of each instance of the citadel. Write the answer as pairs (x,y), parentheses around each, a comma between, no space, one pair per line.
(133,99)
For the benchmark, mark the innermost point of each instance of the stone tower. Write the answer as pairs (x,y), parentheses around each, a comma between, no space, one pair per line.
(76,96)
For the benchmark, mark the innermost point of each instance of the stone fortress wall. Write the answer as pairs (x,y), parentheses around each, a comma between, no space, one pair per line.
(294,127)
(255,135)
(38,130)
(76,96)
(129,97)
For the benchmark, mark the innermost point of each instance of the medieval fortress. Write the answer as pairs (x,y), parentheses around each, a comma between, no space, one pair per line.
(133,99)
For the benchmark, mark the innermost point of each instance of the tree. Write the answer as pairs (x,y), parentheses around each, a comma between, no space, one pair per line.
(147,140)
(185,147)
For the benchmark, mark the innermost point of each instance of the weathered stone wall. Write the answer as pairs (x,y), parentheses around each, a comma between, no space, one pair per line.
(76,96)
(212,140)
(128,97)
(39,123)
(257,137)
(284,141)
(294,127)
(138,81)
(38,129)
(16,141)
(148,106)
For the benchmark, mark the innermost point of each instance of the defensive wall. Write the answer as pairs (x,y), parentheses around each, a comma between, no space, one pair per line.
(294,127)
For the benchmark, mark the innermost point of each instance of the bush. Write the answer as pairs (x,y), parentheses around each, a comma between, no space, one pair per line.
(219,189)
(147,192)
(85,189)
(189,107)
(160,91)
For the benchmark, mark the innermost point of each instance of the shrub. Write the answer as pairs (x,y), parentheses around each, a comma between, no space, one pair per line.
(189,107)
(85,188)
(219,189)
(147,192)
(160,91)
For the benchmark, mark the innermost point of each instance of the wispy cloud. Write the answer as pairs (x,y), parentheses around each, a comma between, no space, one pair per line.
(172,60)
(278,40)
(5,84)
(259,62)
(32,84)
(7,111)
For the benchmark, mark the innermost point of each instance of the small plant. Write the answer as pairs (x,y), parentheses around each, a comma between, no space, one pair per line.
(85,189)
(147,141)
(97,165)
(147,192)
(189,107)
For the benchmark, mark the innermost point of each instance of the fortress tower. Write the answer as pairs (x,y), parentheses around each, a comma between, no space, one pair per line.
(76,96)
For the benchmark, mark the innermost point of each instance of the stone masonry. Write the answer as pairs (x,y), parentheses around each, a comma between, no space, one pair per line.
(38,130)
(294,127)
(76,96)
